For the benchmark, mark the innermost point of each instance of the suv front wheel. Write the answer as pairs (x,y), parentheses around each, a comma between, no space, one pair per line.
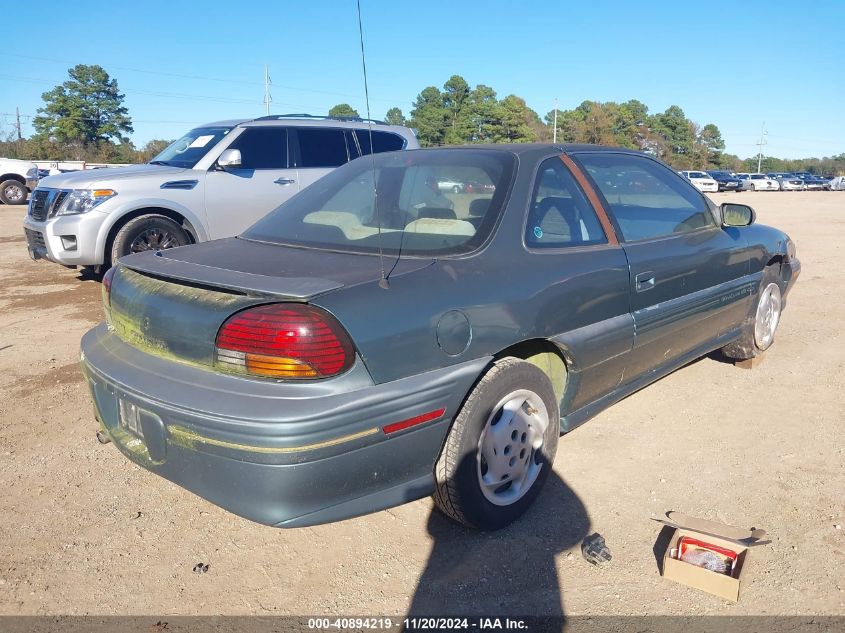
(148,233)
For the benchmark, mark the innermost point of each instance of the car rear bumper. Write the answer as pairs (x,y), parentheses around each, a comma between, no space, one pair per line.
(279,454)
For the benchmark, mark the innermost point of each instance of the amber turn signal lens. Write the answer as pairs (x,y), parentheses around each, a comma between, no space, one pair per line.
(278,367)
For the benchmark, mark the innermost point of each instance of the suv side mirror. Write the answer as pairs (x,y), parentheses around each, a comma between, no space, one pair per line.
(737,214)
(229,159)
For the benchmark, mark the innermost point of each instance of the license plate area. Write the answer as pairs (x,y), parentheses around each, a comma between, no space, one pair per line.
(129,417)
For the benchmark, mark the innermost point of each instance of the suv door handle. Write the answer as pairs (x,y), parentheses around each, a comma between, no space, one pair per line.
(284,181)
(644,281)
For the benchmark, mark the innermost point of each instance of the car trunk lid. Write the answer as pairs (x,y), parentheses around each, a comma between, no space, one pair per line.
(172,303)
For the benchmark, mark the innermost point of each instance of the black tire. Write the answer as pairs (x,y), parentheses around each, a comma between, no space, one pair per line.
(147,232)
(13,192)
(753,188)
(460,466)
(748,345)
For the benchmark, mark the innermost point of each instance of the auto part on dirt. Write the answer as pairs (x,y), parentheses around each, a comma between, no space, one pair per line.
(594,550)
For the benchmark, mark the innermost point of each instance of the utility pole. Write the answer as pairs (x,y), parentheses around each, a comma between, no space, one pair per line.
(18,117)
(554,134)
(762,142)
(267,98)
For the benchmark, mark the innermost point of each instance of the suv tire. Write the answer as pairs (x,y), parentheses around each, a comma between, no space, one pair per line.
(148,233)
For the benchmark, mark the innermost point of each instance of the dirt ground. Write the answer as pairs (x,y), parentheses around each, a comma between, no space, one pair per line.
(84,531)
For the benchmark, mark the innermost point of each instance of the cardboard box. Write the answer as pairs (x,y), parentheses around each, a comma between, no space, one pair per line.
(735,539)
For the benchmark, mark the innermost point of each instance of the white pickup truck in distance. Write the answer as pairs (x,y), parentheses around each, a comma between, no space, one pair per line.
(17,179)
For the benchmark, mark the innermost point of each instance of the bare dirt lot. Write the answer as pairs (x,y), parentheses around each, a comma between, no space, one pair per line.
(83,531)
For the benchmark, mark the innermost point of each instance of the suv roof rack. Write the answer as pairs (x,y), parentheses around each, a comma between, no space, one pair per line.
(275,117)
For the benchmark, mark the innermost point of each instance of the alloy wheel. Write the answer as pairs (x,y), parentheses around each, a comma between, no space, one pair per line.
(153,239)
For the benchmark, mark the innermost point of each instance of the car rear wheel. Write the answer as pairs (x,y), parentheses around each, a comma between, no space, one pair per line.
(752,187)
(13,192)
(148,233)
(500,448)
(758,332)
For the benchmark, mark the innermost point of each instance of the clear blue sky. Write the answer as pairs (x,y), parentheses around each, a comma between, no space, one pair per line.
(735,64)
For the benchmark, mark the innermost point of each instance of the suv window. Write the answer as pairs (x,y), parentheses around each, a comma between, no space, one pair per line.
(263,148)
(560,214)
(647,199)
(321,147)
(382,141)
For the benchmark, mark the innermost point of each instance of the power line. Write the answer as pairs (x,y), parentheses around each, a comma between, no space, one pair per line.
(32,116)
(215,79)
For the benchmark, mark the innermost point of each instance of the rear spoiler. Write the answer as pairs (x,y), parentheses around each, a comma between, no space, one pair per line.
(158,264)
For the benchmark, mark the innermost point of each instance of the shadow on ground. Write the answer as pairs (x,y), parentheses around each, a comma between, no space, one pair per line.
(508,572)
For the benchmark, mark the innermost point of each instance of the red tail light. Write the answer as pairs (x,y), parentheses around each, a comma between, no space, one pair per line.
(107,285)
(284,340)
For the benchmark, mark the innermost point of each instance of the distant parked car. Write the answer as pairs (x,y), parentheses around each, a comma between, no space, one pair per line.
(701,180)
(837,183)
(452,186)
(744,181)
(787,181)
(760,182)
(726,180)
(813,182)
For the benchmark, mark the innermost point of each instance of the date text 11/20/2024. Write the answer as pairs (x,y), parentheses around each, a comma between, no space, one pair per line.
(420,623)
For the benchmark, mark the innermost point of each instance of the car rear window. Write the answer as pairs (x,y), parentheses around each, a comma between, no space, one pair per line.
(647,199)
(394,201)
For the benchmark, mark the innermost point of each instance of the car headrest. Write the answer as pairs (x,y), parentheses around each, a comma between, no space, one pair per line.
(478,207)
(440,213)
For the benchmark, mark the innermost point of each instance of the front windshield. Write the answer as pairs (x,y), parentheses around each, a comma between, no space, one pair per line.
(188,150)
(429,202)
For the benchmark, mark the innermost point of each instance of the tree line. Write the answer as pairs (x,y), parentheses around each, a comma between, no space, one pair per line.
(84,119)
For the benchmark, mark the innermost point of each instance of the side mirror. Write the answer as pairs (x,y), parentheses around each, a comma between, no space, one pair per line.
(737,214)
(229,159)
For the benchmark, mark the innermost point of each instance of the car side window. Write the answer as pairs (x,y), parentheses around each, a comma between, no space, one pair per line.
(263,148)
(647,199)
(382,141)
(322,147)
(560,214)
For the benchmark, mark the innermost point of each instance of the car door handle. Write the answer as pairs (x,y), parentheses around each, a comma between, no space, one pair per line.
(644,281)
(284,181)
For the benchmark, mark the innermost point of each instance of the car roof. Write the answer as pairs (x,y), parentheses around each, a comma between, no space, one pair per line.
(536,151)
(303,120)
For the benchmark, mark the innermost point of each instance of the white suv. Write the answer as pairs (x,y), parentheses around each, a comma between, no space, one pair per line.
(214,182)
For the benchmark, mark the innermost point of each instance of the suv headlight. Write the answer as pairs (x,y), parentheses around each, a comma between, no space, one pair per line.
(83,200)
